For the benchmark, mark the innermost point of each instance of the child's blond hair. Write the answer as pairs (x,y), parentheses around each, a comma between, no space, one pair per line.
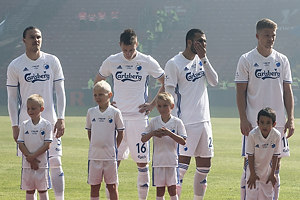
(166,97)
(36,98)
(103,84)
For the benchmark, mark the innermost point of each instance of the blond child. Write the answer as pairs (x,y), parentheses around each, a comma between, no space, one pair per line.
(167,131)
(34,142)
(102,122)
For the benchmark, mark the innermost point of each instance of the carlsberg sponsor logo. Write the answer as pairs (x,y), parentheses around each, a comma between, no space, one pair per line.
(128,77)
(36,77)
(267,74)
(194,76)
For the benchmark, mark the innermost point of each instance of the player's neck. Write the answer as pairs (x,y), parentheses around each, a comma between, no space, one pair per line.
(188,54)
(103,108)
(36,120)
(33,55)
(166,118)
(264,51)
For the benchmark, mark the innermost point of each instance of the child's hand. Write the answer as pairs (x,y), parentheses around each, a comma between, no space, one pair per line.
(158,133)
(273,179)
(35,164)
(164,131)
(252,181)
(30,158)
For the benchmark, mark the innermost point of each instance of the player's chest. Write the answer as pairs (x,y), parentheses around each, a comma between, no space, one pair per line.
(35,73)
(268,69)
(192,72)
(130,72)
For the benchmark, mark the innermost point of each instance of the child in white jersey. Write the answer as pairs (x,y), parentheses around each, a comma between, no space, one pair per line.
(34,141)
(102,124)
(167,131)
(263,145)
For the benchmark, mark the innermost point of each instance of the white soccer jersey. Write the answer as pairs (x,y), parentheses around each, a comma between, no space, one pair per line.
(130,81)
(265,77)
(103,126)
(263,150)
(34,136)
(189,79)
(35,77)
(165,149)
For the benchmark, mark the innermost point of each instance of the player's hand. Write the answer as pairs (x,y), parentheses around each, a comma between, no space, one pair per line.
(16,131)
(30,158)
(59,128)
(113,103)
(289,125)
(158,133)
(146,108)
(200,48)
(252,181)
(35,164)
(245,127)
(273,179)
(164,131)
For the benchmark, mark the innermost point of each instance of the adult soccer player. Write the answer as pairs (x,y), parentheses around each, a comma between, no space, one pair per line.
(36,72)
(263,79)
(130,70)
(186,77)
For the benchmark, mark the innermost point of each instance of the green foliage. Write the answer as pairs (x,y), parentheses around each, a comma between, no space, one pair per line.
(223,179)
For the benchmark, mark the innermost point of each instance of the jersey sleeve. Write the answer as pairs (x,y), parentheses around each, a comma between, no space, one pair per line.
(250,145)
(171,77)
(12,76)
(88,125)
(181,129)
(242,72)
(21,134)
(58,74)
(148,129)
(277,151)
(119,121)
(287,76)
(48,133)
(154,68)
(104,70)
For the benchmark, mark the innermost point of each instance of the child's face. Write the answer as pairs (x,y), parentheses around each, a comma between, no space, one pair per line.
(164,107)
(34,109)
(265,124)
(102,96)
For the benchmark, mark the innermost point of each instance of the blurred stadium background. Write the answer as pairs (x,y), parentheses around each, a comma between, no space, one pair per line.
(229,26)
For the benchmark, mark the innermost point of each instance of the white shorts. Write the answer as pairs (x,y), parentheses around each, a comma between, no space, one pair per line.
(55,147)
(132,142)
(35,179)
(97,169)
(199,142)
(165,176)
(284,148)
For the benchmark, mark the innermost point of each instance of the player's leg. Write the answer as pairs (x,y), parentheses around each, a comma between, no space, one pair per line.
(140,154)
(172,192)
(184,162)
(160,193)
(43,195)
(57,174)
(110,173)
(265,191)
(30,194)
(113,191)
(95,177)
(243,178)
(95,192)
(277,184)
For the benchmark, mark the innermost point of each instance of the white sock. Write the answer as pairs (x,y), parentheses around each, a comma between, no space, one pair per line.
(174,197)
(57,177)
(95,198)
(143,182)
(160,198)
(198,197)
(182,168)
(200,181)
(276,186)
(29,196)
(44,196)
(243,184)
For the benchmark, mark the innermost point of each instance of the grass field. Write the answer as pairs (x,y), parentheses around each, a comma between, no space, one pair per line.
(223,179)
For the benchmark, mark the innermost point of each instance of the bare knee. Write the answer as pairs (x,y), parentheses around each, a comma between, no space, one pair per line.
(203,162)
(172,190)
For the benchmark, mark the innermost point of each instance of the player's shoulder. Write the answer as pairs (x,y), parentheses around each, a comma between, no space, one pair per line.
(254,131)
(279,55)
(276,132)
(249,54)
(113,109)
(44,121)
(48,56)
(17,60)
(176,119)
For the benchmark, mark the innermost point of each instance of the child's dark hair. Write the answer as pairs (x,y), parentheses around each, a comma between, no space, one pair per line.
(267,112)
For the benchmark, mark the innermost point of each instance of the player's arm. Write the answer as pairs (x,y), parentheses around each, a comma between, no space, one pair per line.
(241,92)
(59,127)
(177,138)
(210,74)
(12,104)
(98,78)
(89,132)
(38,152)
(170,89)
(120,137)
(272,176)
(289,106)
(148,107)
(253,177)
(147,136)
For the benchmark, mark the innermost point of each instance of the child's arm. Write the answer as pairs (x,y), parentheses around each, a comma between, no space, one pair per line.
(253,177)
(120,137)
(38,152)
(89,134)
(146,137)
(272,176)
(177,138)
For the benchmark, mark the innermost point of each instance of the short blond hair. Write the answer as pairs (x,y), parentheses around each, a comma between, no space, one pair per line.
(265,23)
(36,98)
(103,84)
(165,96)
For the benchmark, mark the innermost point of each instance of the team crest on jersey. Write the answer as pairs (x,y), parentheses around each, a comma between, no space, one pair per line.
(263,74)
(185,148)
(42,132)
(110,120)
(194,76)
(138,67)
(277,63)
(46,66)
